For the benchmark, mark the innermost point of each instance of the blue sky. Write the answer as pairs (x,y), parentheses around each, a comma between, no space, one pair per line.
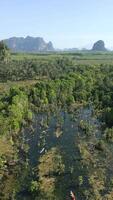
(67,23)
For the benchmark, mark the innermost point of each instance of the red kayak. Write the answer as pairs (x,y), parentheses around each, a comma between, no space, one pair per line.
(72,196)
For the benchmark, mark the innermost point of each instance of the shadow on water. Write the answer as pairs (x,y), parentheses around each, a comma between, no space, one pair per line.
(68,145)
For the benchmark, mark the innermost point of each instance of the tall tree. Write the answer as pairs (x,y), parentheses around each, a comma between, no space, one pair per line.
(4,52)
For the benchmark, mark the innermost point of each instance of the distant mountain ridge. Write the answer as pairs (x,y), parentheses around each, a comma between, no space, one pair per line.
(28,44)
(37,44)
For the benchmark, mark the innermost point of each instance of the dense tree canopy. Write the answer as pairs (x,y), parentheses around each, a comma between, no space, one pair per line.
(56,129)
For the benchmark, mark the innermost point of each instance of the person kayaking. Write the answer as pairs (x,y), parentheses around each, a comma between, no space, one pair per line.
(72,196)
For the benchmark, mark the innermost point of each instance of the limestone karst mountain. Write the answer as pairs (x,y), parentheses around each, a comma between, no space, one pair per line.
(28,44)
(99,46)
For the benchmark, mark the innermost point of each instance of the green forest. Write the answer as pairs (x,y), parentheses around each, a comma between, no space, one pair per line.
(56,125)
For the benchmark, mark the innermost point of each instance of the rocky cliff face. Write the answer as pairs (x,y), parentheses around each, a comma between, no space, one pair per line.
(28,44)
(99,46)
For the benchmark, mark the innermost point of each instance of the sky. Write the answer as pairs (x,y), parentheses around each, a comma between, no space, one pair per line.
(67,23)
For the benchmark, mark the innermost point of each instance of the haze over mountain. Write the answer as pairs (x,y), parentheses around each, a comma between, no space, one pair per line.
(37,44)
(99,46)
(28,44)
